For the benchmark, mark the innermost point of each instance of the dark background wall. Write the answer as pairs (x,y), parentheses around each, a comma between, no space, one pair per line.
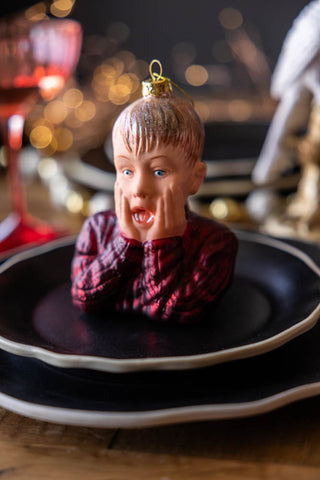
(155,27)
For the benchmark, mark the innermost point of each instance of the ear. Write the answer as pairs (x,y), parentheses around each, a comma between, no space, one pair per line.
(199,173)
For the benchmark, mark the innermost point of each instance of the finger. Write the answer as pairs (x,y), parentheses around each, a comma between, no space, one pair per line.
(117,199)
(116,190)
(179,203)
(170,208)
(158,217)
(121,204)
(157,230)
(178,217)
(126,210)
(176,207)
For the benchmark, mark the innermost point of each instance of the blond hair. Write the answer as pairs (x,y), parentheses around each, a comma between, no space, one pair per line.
(151,121)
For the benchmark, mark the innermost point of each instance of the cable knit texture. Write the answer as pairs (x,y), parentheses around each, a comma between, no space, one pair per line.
(171,279)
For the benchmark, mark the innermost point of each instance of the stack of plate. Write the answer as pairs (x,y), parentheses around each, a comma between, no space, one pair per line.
(231,152)
(59,365)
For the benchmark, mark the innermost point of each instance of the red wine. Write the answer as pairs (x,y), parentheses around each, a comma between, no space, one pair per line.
(17,100)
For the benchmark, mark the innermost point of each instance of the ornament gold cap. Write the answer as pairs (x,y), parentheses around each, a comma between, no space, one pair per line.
(160,86)
(157,85)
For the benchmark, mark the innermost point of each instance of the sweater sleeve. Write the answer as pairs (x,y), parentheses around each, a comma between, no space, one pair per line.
(182,275)
(102,265)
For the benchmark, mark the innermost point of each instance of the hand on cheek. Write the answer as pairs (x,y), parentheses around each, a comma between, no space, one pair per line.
(170,218)
(124,215)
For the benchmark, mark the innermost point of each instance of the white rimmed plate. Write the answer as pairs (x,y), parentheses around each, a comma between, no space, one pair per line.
(274,297)
(143,399)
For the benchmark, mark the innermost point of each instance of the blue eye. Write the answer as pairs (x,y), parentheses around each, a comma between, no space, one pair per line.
(159,173)
(126,171)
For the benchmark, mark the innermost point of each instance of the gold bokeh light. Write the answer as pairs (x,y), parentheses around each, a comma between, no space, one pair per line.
(119,94)
(40,136)
(61,8)
(239,110)
(219,209)
(74,202)
(203,110)
(104,75)
(86,111)
(73,98)
(64,139)
(55,111)
(230,18)
(36,12)
(196,75)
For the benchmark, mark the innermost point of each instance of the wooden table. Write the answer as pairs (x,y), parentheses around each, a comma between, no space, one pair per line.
(281,445)
(284,444)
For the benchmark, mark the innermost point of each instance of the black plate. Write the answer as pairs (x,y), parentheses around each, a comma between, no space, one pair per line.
(274,297)
(99,399)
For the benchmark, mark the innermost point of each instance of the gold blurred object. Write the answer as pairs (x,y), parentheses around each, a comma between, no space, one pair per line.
(36,12)
(309,147)
(301,217)
(228,210)
(61,8)
(157,85)
(305,207)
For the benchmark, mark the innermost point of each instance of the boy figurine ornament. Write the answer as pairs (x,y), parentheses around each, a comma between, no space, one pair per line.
(153,255)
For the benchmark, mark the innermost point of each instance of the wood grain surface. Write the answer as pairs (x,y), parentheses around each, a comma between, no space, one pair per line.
(281,445)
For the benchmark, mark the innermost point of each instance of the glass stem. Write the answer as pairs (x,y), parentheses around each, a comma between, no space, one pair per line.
(14,143)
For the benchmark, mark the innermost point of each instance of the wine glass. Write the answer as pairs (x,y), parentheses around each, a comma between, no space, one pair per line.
(34,61)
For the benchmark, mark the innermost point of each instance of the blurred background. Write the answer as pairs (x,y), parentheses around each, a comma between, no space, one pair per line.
(220,52)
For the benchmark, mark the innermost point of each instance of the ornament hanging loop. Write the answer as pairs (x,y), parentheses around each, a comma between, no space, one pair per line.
(154,75)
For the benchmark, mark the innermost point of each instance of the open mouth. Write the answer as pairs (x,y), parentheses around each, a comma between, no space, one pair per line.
(142,216)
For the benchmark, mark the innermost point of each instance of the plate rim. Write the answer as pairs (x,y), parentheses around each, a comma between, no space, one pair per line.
(112,365)
(158,417)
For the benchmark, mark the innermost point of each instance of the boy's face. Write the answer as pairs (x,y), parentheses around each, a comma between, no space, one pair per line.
(146,177)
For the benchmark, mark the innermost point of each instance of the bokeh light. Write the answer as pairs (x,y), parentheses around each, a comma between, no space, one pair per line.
(117,64)
(128,58)
(196,75)
(227,209)
(74,202)
(230,18)
(239,110)
(37,12)
(40,136)
(55,111)
(64,138)
(72,120)
(61,8)
(86,111)
(50,85)
(47,168)
(203,110)
(119,94)
(51,149)
(219,209)
(73,98)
